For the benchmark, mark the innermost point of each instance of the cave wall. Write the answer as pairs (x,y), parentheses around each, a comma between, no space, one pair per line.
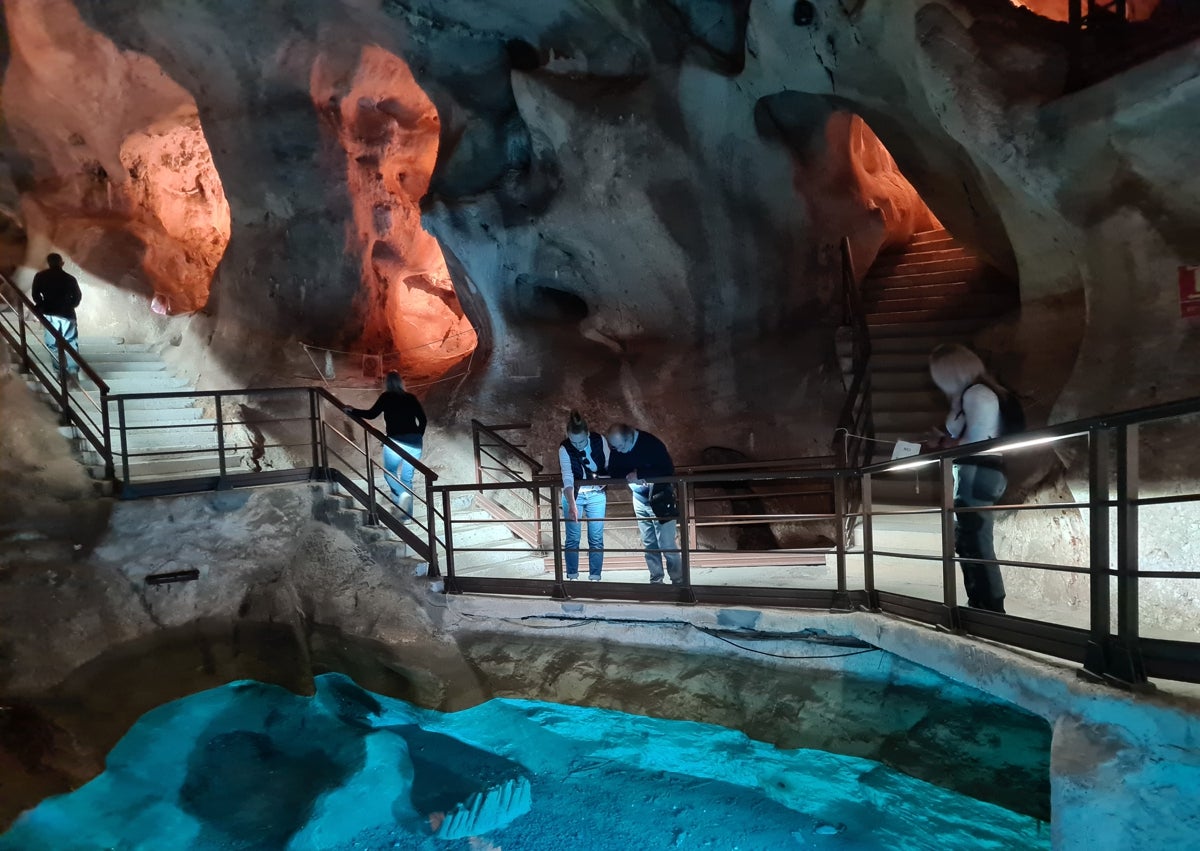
(639,203)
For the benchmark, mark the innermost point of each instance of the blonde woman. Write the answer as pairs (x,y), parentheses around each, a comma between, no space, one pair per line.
(974,398)
(583,458)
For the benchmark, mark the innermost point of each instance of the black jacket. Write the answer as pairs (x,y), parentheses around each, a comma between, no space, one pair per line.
(402,413)
(56,293)
(649,456)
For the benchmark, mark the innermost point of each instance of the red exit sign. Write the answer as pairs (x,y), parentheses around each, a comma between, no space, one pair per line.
(1189,295)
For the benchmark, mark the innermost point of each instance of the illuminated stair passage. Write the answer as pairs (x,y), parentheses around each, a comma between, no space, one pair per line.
(166,438)
(931,291)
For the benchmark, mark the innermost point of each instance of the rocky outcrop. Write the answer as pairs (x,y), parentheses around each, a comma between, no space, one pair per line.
(116,169)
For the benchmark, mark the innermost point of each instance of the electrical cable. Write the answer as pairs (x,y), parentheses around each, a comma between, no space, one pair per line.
(573,622)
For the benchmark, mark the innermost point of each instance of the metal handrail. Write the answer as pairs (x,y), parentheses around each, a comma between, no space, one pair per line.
(1120,656)
(492,431)
(59,340)
(102,442)
(854,317)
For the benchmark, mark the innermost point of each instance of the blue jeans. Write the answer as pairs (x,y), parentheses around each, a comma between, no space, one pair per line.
(591,505)
(402,485)
(70,330)
(656,537)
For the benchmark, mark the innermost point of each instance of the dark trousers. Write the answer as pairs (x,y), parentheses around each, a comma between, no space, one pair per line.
(978,485)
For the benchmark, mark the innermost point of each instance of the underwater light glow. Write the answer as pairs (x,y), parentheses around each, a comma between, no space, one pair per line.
(250,765)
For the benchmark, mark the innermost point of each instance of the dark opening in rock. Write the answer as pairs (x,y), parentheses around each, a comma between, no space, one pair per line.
(804,14)
(538,299)
(522,55)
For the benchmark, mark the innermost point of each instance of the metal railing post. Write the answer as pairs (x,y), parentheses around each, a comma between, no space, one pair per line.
(372,512)
(536,493)
(478,455)
(105,423)
(23,327)
(839,509)
(430,527)
(949,580)
(314,416)
(65,395)
(124,441)
(220,436)
(448,525)
(324,441)
(685,542)
(868,543)
(1099,556)
(560,589)
(1127,667)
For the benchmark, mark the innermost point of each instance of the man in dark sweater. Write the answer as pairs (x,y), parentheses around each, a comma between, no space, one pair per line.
(639,455)
(56,295)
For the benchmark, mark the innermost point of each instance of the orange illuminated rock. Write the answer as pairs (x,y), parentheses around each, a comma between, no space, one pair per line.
(854,188)
(122,174)
(389,130)
(1058,10)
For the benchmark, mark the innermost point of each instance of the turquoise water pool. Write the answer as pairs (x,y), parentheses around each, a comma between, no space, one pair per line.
(254,766)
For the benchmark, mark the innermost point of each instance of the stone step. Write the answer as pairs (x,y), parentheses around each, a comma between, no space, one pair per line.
(919,344)
(928,401)
(481,534)
(186,417)
(139,439)
(899,362)
(920,254)
(112,344)
(958,330)
(138,382)
(970,288)
(919,278)
(935,235)
(529,566)
(184,466)
(131,404)
(100,360)
(140,456)
(913,423)
(955,314)
(907,266)
(502,553)
(910,381)
(897,345)
(960,305)
(151,477)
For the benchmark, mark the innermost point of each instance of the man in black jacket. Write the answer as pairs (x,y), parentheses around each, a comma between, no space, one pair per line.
(56,295)
(639,455)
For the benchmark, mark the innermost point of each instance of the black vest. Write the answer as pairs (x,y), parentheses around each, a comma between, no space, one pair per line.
(579,469)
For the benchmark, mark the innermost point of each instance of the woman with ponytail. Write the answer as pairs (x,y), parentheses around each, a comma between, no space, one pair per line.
(583,458)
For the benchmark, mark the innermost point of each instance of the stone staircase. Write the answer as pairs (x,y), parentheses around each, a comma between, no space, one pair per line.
(500,554)
(166,438)
(931,291)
